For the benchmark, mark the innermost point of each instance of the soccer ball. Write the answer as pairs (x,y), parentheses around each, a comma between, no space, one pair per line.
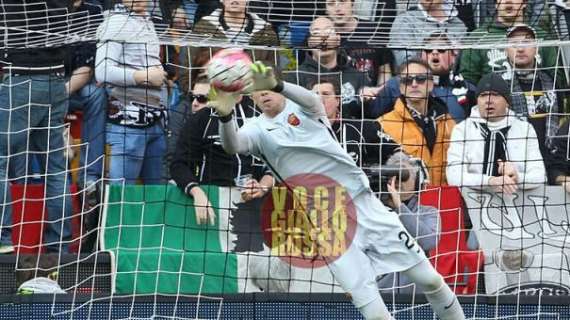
(229,69)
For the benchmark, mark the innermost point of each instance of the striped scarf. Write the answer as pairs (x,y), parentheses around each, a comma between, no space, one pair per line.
(495,148)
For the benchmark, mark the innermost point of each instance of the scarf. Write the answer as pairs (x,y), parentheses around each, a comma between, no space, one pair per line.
(495,148)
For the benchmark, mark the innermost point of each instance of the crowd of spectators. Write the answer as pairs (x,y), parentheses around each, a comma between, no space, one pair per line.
(394,81)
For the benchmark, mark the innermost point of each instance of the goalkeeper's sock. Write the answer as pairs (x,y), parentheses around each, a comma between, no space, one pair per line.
(444,303)
(376,310)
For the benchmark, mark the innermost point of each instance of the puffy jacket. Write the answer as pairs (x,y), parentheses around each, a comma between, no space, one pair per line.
(457,94)
(466,152)
(402,127)
(477,62)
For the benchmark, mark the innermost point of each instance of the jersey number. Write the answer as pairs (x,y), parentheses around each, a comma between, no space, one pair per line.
(408,242)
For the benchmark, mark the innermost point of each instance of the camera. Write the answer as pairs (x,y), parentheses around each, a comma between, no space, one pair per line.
(380,176)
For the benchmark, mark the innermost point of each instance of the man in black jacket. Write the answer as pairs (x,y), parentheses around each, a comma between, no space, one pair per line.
(325,58)
(200,159)
(33,102)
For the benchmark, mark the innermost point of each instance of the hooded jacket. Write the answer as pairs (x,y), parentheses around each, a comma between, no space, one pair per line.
(402,127)
(477,62)
(465,154)
(412,27)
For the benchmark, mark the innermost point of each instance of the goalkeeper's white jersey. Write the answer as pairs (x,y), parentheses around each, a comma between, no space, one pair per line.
(297,142)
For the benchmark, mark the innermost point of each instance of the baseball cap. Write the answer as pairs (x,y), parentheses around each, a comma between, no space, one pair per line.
(522,27)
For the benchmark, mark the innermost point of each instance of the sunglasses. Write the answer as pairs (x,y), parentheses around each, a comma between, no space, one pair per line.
(428,51)
(201,98)
(419,79)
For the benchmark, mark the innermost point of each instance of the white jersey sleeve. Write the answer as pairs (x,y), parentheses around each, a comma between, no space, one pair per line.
(309,102)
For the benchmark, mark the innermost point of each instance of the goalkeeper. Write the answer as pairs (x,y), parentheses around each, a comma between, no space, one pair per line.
(308,146)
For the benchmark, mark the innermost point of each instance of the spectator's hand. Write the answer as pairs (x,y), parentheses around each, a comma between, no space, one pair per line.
(204,210)
(261,78)
(223,102)
(369,93)
(151,77)
(505,184)
(507,168)
(253,190)
(394,194)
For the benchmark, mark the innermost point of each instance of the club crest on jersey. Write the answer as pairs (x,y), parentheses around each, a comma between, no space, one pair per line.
(293,120)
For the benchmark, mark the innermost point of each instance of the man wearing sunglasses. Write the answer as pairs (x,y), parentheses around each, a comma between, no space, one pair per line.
(450,86)
(199,158)
(420,122)
(195,100)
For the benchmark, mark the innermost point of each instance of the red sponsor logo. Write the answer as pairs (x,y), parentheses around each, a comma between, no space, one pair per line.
(309,220)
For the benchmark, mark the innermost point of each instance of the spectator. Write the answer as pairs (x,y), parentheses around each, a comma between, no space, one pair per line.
(196,100)
(493,148)
(536,10)
(381,11)
(477,62)
(430,16)
(34,77)
(457,94)
(534,94)
(419,121)
(137,97)
(324,58)
(199,150)
(466,10)
(89,97)
(421,221)
(357,38)
(233,23)
(362,139)
(560,13)
(558,162)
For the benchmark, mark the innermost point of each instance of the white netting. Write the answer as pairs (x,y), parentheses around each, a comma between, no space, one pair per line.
(93,191)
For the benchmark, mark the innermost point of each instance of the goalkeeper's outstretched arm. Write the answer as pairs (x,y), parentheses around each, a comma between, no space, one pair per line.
(309,101)
(263,78)
(233,140)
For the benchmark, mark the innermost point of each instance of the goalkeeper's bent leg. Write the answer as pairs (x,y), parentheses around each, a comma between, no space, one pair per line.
(443,301)
(354,272)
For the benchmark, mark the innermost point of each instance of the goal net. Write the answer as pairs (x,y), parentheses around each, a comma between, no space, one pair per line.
(118,200)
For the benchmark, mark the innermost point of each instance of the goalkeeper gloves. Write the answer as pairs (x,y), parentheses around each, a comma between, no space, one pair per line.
(223,102)
(261,78)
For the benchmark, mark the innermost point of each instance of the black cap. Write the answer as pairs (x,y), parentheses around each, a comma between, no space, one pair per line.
(495,83)
(522,27)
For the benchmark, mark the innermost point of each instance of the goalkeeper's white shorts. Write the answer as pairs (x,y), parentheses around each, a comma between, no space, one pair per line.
(381,245)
